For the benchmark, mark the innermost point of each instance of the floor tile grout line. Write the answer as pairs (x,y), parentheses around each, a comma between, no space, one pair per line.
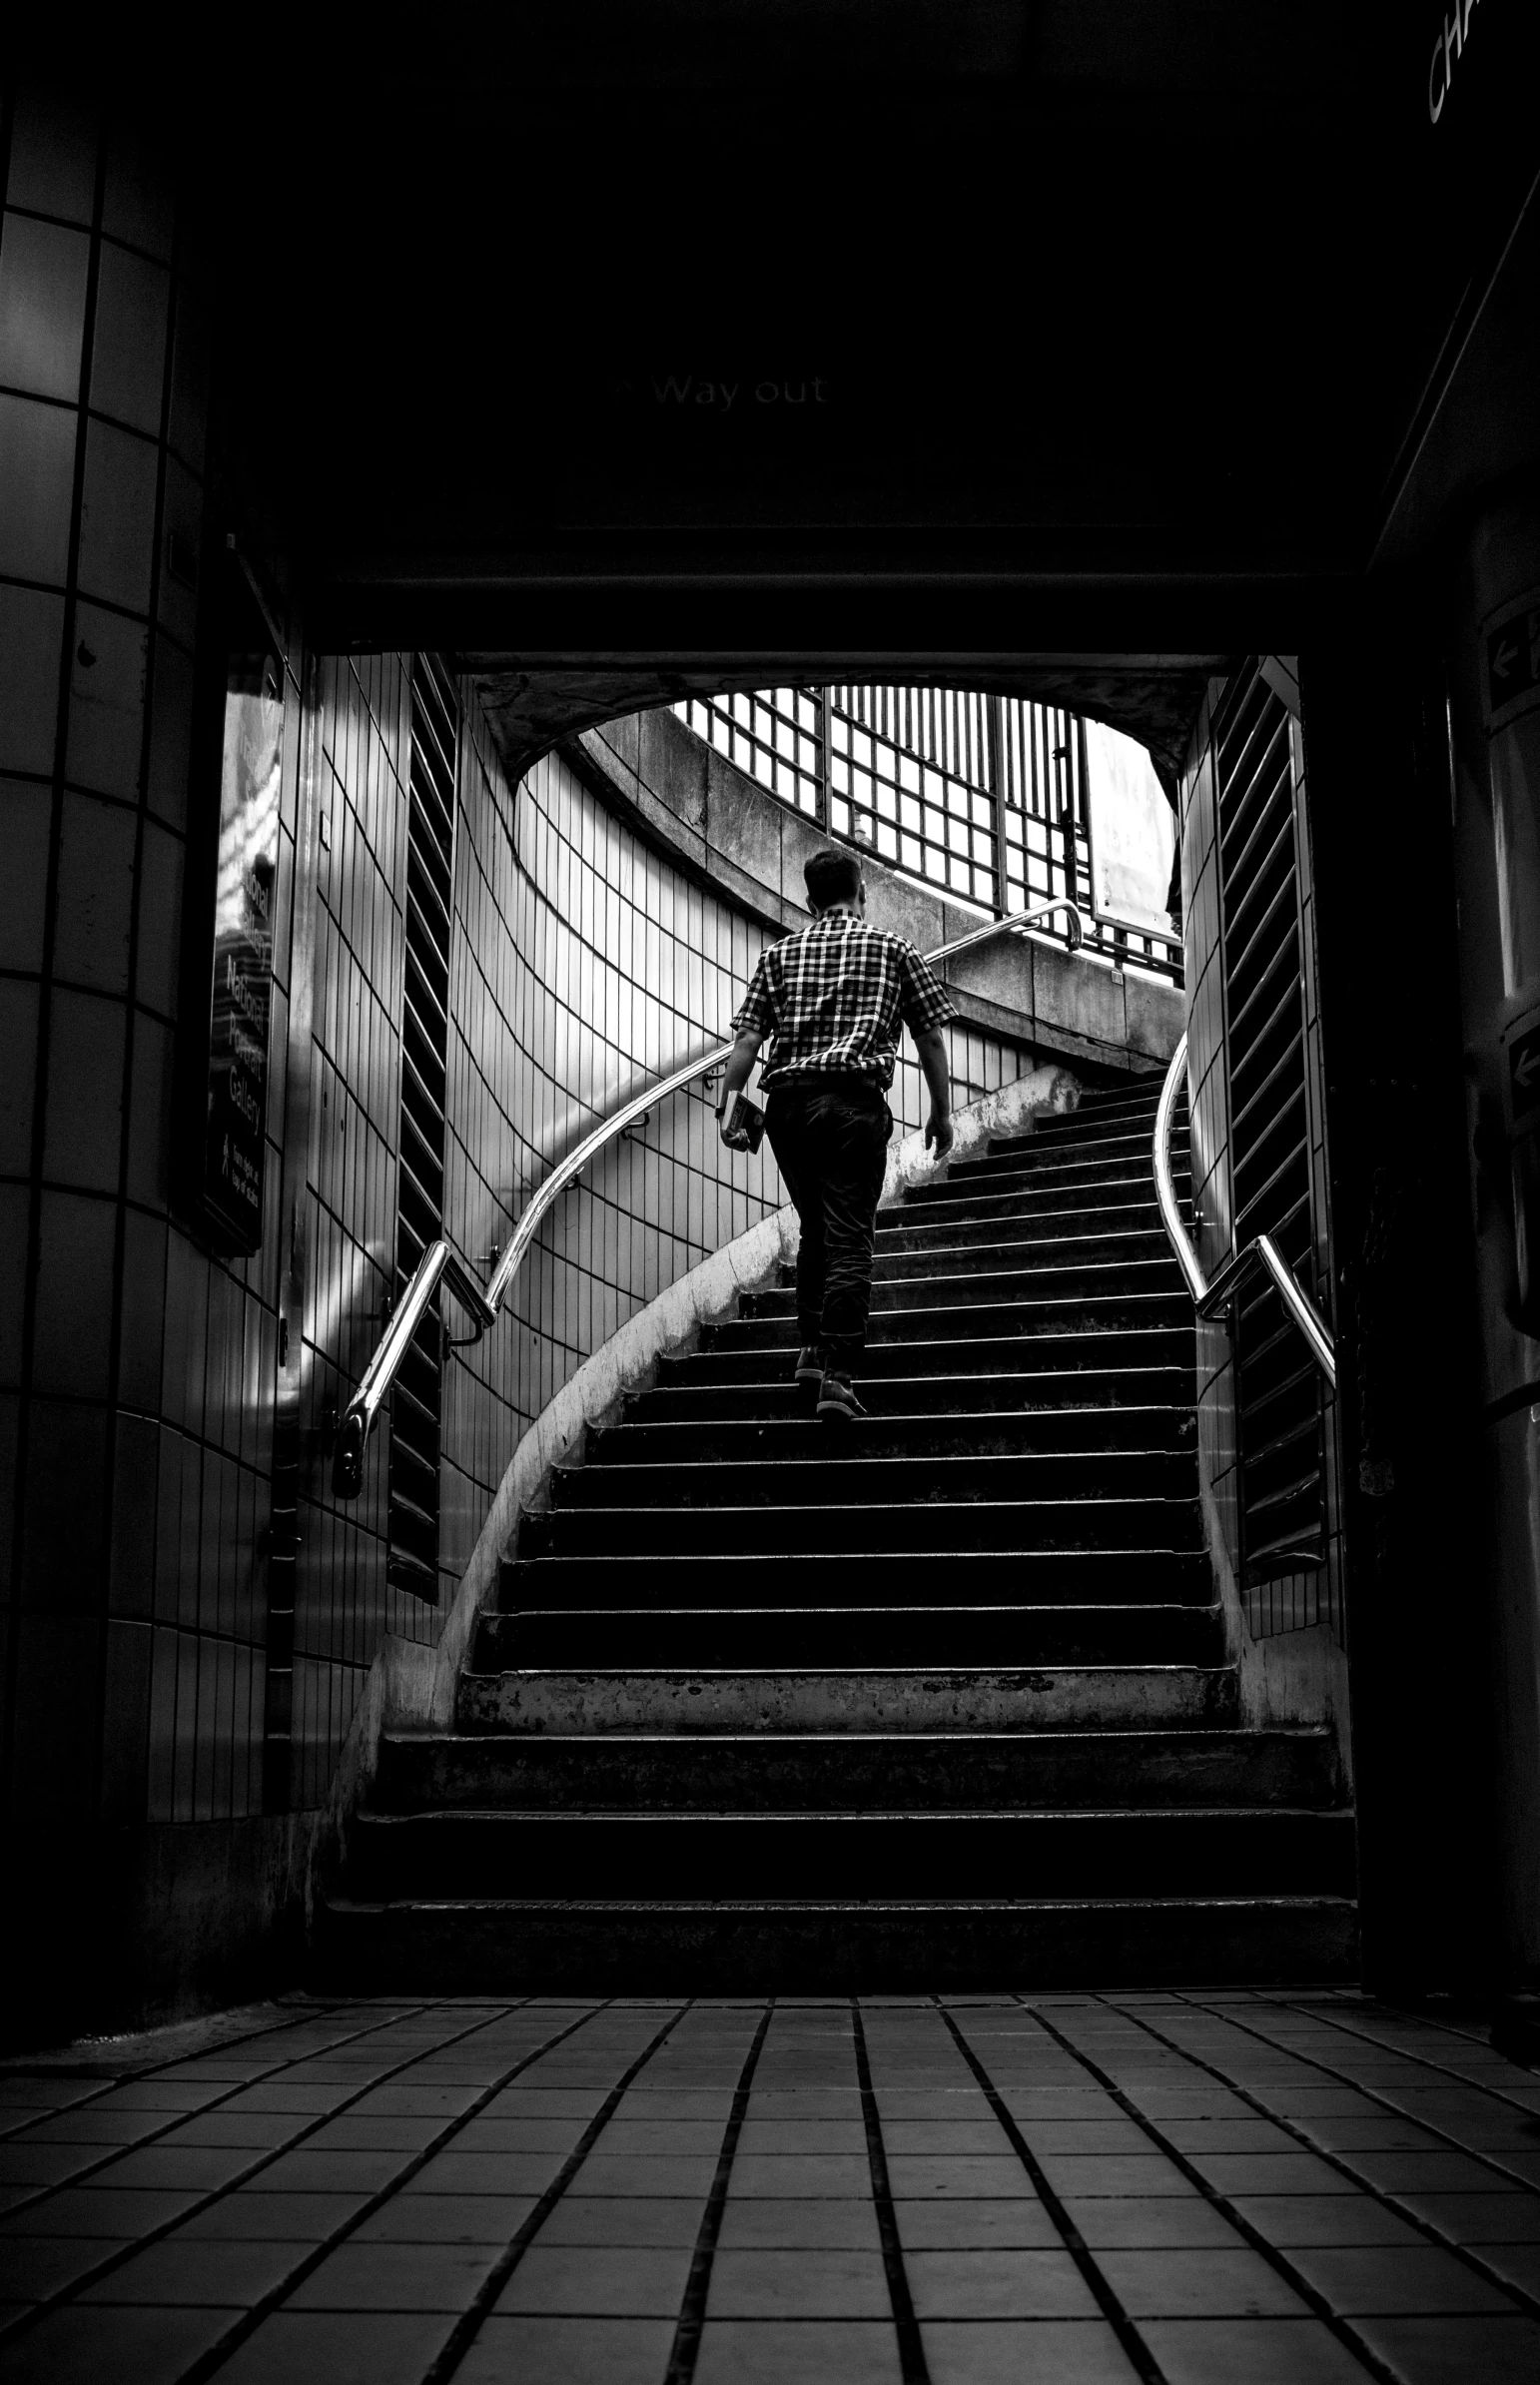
(685,2350)
(134,2077)
(1423,2061)
(1475,2084)
(470,2321)
(29,2318)
(1474,2037)
(1446,2028)
(912,2361)
(1107,2300)
(1489,2161)
(1381,2194)
(215,2355)
(91,2169)
(1344,2330)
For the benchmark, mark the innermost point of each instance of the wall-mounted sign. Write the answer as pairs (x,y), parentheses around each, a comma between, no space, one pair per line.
(246,887)
(1132,834)
(1512,659)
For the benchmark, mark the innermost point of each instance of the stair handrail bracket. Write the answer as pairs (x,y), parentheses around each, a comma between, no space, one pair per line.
(1261,1256)
(440,1263)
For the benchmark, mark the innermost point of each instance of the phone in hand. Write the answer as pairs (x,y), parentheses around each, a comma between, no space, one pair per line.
(743,1128)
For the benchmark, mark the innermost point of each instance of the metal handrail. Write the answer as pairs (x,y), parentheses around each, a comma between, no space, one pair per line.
(1261,1256)
(440,1261)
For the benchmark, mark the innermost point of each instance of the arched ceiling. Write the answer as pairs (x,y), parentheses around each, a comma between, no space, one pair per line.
(531,706)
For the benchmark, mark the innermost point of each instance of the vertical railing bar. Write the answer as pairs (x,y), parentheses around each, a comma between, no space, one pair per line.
(996,724)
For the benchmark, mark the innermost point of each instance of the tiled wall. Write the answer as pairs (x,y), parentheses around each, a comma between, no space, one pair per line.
(357,748)
(1315,1594)
(133,1428)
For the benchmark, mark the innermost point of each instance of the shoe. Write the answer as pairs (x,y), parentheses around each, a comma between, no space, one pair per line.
(837,1397)
(808,1372)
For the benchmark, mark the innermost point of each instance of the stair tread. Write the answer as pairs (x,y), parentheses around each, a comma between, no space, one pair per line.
(1289,1734)
(1102,1611)
(939,1672)
(1323,1900)
(948,1817)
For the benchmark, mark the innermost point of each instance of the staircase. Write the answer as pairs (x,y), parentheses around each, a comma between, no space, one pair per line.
(932,1699)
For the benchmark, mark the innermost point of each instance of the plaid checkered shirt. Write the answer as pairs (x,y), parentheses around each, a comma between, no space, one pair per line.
(832,998)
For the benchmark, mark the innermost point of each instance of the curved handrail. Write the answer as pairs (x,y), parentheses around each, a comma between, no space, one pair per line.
(439,1262)
(1264,1254)
(1165,1190)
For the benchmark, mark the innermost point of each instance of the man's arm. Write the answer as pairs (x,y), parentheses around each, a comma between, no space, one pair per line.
(740,1067)
(931,1044)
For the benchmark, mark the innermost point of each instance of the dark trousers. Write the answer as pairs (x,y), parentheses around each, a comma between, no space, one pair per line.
(830,1139)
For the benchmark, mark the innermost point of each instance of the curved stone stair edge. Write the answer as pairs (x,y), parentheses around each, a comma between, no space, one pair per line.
(412,1686)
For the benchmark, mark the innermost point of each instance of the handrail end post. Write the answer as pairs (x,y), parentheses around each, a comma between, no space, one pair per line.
(348,1457)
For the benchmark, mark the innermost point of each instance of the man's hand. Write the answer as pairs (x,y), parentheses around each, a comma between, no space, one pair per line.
(740,1067)
(931,1049)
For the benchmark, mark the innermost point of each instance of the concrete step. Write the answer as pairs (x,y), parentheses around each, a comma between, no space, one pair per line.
(1003,1218)
(750,1393)
(978,1249)
(941,1856)
(999,1278)
(1087,1128)
(738,1947)
(927,1526)
(1060,1353)
(969,1318)
(852,1478)
(1043,1157)
(688,1637)
(752,1578)
(860,1697)
(1073,1183)
(851,1771)
(935,1203)
(645,1438)
(1093,1120)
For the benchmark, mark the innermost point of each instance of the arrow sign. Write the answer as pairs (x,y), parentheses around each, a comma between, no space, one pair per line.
(1512,656)
(1524,1074)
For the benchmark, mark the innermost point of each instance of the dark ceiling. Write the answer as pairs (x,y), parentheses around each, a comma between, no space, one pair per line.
(673,336)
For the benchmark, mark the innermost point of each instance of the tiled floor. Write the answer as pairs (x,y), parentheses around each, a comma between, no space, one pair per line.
(1200,2189)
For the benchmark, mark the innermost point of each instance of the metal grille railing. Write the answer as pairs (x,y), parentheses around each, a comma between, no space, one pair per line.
(1277,1391)
(982,798)
(416,1410)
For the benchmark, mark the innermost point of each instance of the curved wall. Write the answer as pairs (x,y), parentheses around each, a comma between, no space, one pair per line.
(730,834)
(584,962)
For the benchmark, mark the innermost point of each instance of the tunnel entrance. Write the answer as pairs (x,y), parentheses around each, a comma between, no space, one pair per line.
(1067,1564)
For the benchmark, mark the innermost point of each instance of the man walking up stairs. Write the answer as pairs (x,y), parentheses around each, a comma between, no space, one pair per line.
(832,1000)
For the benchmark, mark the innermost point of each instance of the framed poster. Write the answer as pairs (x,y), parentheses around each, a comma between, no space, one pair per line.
(244,892)
(1132,831)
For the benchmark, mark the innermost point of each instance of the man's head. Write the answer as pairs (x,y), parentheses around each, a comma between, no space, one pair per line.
(833,877)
